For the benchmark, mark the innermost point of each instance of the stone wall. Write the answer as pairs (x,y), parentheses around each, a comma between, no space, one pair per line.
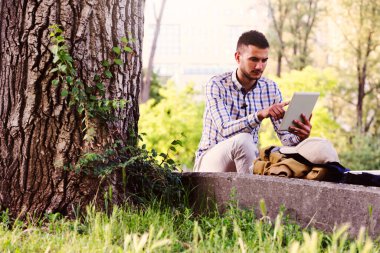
(323,205)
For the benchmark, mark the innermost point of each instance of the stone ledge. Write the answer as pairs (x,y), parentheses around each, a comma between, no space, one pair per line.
(319,204)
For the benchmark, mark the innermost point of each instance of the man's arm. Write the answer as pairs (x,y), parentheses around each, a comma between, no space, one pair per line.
(276,113)
(220,115)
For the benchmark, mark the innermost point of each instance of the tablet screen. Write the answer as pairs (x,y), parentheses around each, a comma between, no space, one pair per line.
(302,102)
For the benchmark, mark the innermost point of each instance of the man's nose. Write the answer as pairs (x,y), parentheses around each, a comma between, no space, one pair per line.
(259,65)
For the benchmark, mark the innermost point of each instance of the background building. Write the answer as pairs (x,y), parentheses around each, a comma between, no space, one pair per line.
(199,42)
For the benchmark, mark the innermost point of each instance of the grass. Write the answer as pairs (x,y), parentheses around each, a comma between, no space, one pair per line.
(158,228)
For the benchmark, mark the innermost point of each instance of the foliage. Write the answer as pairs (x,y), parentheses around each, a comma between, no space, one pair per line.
(178,115)
(293,24)
(358,23)
(323,121)
(143,178)
(162,119)
(88,97)
(155,87)
(158,228)
(356,152)
(362,153)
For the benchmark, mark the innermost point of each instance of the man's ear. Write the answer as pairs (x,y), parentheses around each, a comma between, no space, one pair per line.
(237,56)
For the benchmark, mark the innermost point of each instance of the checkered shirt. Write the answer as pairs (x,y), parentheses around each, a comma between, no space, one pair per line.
(229,111)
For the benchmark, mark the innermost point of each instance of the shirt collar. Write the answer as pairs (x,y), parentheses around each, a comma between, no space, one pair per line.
(237,85)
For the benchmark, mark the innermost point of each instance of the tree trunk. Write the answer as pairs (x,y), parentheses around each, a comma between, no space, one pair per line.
(279,64)
(39,131)
(359,106)
(145,90)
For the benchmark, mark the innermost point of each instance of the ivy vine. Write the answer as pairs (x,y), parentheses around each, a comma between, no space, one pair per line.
(88,98)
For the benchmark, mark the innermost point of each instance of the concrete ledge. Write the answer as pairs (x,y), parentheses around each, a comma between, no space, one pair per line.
(319,204)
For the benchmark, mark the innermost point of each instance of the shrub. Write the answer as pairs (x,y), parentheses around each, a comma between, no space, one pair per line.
(177,115)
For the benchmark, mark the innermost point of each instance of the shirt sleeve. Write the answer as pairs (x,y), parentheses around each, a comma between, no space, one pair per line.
(286,138)
(216,103)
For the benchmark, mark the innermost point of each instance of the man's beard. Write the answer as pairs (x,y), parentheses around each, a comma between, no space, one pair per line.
(256,73)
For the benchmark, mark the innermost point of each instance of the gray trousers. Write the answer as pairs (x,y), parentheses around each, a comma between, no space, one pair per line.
(235,154)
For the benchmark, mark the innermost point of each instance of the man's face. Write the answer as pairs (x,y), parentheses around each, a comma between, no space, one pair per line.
(252,61)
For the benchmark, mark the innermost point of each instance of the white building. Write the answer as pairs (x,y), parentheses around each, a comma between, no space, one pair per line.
(198,37)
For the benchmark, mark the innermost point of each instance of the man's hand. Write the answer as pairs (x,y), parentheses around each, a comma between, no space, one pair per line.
(304,128)
(276,111)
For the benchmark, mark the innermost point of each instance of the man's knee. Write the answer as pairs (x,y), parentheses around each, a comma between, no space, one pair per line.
(243,141)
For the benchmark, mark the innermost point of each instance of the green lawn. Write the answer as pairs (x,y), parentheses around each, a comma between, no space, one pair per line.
(158,228)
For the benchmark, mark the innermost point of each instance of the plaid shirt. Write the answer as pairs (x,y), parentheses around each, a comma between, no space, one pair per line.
(229,111)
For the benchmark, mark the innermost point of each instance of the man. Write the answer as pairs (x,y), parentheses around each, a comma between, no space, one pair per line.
(236,103)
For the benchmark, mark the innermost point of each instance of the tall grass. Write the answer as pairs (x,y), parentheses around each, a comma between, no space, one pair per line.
(157,228)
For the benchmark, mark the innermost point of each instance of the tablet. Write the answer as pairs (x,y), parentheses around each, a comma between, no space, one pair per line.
(302,102)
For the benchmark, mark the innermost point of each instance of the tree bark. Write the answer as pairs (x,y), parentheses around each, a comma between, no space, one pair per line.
(39,132)
(279,64)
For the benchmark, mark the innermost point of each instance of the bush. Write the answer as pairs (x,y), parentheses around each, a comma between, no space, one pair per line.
(323,121)
(177,115)
(362,153)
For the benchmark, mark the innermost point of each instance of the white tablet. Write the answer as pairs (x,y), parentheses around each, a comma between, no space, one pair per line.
(302,102)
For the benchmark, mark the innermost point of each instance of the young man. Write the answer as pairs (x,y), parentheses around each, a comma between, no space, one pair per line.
(236,103)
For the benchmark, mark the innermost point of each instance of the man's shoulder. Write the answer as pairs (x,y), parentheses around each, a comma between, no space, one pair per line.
(265,82)
(221,78)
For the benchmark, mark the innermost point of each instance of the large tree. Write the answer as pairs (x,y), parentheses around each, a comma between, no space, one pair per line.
(145,88)
(359,22)
(293,23)
(41,135)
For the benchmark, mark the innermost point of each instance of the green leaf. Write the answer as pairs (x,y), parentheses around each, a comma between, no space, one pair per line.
(69,80)
(64,93)
(60,38)
(100,86)
(170,161)
(67,57)
(54,49)
(118,62)
(122,103)
(124,40)
(105,63)
(128,49)
(177,142)
(75,91)
(80,109)
(96,78)
(55,82)
(115,104)
(116,50)
(55,59)
(54,70)
(108,74)
(62,68)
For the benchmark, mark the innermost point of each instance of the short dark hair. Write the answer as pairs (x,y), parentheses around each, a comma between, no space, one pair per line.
(254,38)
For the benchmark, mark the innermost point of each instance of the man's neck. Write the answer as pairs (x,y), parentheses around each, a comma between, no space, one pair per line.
(246,83)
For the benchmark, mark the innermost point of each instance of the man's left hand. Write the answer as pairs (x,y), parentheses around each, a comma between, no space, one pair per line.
(302,129)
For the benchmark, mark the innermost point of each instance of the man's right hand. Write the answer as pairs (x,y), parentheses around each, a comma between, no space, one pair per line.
(276,111)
